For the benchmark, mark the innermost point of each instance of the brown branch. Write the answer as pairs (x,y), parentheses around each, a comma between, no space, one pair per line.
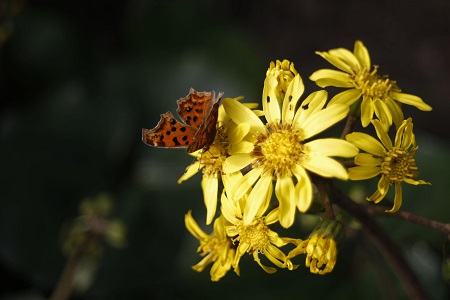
(404,215)
(322,189)
(65,285)
(351,119)
(382,240)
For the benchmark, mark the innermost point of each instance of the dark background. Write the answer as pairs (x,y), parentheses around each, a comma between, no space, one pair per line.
(79,79)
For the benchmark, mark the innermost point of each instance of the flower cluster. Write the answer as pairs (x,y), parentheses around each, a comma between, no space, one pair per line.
(261,172)
(381,96)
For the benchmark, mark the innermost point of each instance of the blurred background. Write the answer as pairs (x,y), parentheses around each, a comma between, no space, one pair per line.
(79,79)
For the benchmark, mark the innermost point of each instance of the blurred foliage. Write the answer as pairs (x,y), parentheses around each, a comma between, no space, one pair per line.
(78,81)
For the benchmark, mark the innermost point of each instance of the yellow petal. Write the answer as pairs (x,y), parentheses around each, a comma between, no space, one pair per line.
(408,136)
(293,94)
(382,134)
(270,103)
(366,142)
(300,249)
(257,200)
(230,179)
(347,57)
(241,114)
(245,183)
(380,193)
(325,166)
(284,190)
(272,216)
(323,119)
(303,190)
(251,105)
(362,54)
(366,111)
(383,113)
(367,160)
(199,267)
(396,111)
(404,136)
(269,270)
(415,182)
(411,100)
(238,133)
(210,187)
(190,171)
(230,211)
(313,103)
(327,77)
(241,148)
(237,162)
(332,147)
(347,97)
(363,172)
(397,198)
(275,255)
(335,61)
(193,227)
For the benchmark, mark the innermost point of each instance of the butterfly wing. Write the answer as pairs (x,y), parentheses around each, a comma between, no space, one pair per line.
(195,107)
(168,133)
(207,131)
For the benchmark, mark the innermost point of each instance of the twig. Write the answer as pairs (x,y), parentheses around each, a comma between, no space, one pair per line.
(322,189)
(351,119)
(379,211)
(384,243)
(65,285)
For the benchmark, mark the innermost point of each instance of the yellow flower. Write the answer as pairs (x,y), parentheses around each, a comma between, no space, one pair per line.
(255,237)
(284,72)
(229,140)
(321,247)
(396,162)
(282,151)
(216,248)
(379,94)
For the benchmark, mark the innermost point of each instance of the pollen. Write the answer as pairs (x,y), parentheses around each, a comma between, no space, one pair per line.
(212,245)
(398,165)
(255,235)
(373,85)
(279,149)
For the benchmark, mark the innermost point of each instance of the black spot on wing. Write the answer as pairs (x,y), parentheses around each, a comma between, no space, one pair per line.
(176,142)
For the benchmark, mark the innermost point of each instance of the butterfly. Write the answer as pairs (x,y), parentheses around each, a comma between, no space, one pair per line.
(199,112)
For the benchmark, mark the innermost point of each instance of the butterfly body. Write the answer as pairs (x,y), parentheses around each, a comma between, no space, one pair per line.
(198,112)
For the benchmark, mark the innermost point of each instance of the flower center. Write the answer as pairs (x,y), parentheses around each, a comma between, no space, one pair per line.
(398,165)
(279,150)
(255,235)
(214,245)
(373,85)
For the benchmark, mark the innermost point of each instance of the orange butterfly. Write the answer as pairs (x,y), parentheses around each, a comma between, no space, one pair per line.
(199,112)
